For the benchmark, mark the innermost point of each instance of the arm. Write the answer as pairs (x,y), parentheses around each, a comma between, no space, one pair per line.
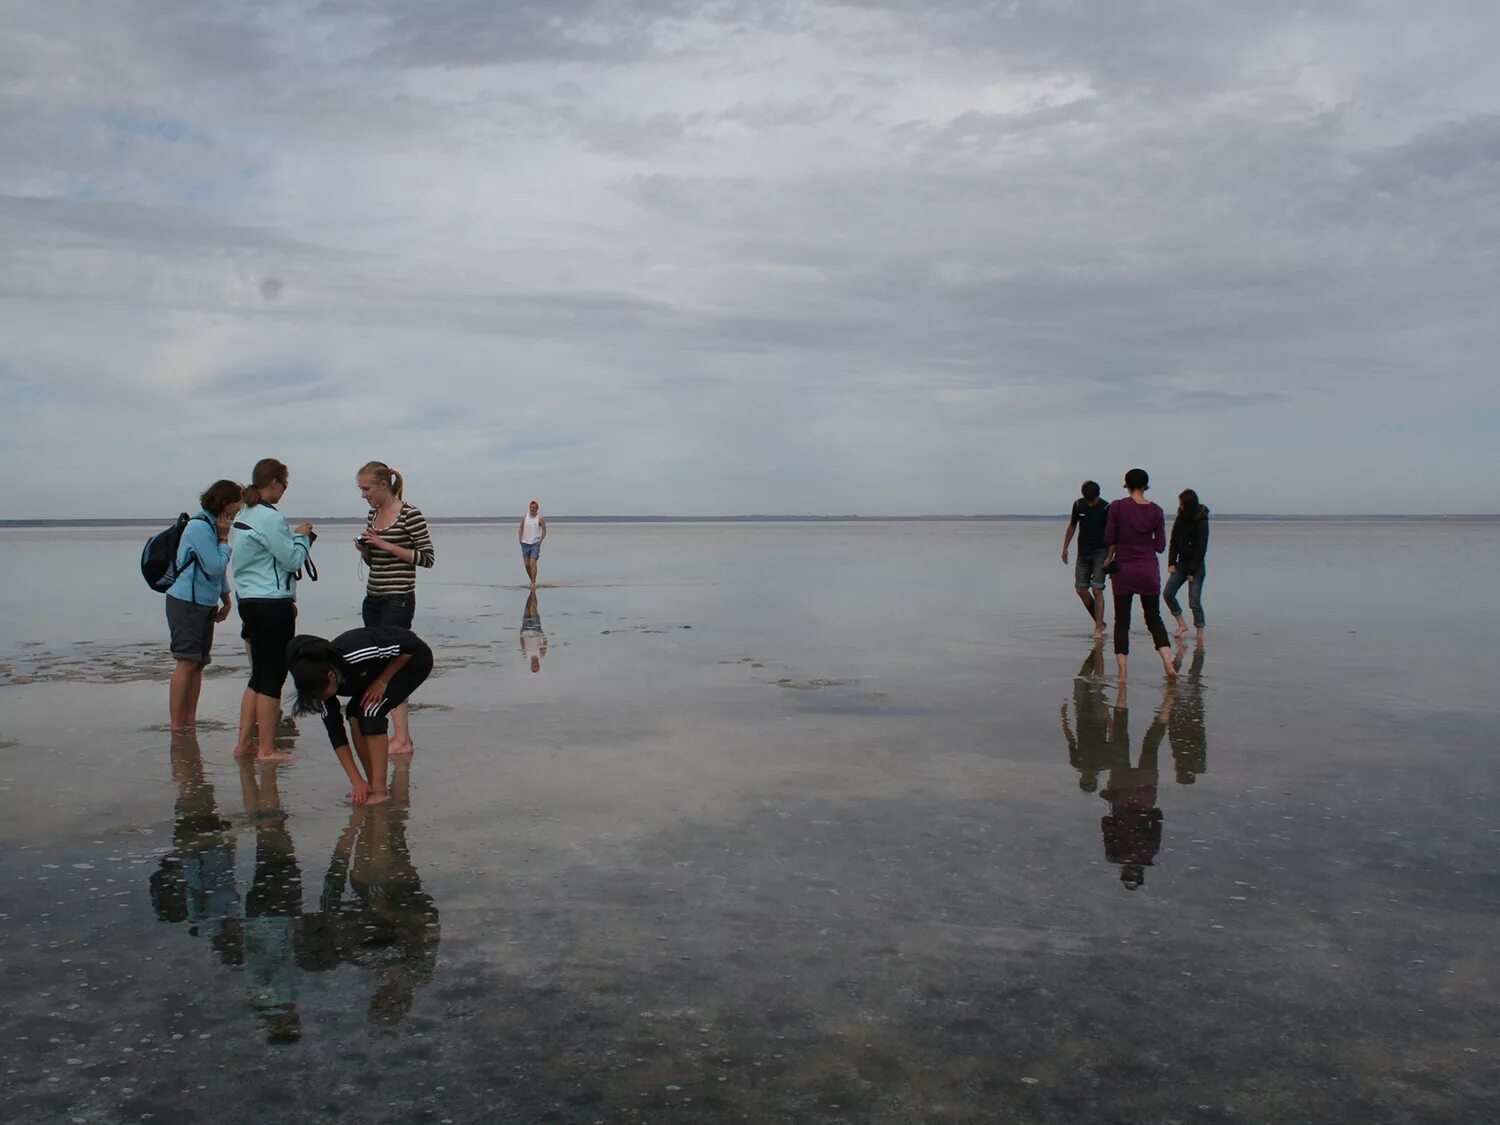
(425,554)
(542,523)
(1159,533)
(1200,550)
(376,691)
(521,530)
(289,551)
(1068,538)
(1111,533)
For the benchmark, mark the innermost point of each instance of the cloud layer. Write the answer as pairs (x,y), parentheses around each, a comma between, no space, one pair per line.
(883,257)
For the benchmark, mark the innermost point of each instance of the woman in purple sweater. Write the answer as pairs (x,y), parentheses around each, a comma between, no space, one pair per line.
(1135,533)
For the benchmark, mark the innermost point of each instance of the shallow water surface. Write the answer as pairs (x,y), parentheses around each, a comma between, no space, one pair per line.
(772,822)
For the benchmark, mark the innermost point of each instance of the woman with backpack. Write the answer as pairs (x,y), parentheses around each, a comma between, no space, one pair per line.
(269,557)
(201,566)
(1185,560)
(377,668)
(394,543)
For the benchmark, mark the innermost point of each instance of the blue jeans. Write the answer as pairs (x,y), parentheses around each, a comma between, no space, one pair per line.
(1195,594)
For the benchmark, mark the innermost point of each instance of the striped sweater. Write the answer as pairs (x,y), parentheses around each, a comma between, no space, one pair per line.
(389,574)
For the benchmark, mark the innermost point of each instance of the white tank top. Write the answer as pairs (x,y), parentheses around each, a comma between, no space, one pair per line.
(533,528)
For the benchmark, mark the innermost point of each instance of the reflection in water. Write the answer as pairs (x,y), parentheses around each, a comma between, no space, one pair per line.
(373,911)
(1099,740)
(533,640)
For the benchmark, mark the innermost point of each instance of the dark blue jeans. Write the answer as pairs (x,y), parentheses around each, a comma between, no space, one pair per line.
(389,609)
(1195,594)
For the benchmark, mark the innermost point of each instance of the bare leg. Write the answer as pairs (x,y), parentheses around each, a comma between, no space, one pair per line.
(401,742)
(377,745)
(187,682)
(1182,627)
(1099,612)
(1086,596)
(362,748)
(245,745)
(183,713)
(531,570)
(268,719)
(1122,666)
(1165,652)
(401,782)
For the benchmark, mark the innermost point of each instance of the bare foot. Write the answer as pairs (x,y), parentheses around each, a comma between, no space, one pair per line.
(274,757)
(1181,630)
(244,749)
(400,749)
(378,797)
(1168,668)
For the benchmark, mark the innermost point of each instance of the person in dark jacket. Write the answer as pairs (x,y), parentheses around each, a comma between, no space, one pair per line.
(1185,560)
(377,667)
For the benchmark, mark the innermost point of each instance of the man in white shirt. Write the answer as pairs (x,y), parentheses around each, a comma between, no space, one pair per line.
(531,532)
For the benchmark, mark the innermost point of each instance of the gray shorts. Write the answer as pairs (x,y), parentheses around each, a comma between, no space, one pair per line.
(1088,569)
(192,629)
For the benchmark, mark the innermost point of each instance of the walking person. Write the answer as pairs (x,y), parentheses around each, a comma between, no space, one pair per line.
(1185,560)
(377,667)
(202,566)
(269,558)
(531,531)
(394,543)
(1136,532)
(1088,518)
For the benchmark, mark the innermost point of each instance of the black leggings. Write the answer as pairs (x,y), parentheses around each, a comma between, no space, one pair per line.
(1150,609)
(268,624)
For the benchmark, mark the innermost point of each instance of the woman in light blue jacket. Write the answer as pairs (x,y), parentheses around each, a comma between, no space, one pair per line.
(268,560)
(202,565)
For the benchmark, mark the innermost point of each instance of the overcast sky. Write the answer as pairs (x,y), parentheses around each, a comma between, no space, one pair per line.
(875,256)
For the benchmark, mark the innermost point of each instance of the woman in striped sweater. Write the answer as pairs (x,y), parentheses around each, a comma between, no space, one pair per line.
(394,543)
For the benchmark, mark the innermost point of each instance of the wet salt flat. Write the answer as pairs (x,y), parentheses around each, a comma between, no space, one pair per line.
(792,823)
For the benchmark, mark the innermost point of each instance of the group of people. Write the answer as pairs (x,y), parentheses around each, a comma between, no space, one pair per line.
(377,666)
(1120,540)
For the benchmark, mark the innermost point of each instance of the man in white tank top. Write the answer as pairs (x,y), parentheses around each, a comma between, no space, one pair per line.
(531,532)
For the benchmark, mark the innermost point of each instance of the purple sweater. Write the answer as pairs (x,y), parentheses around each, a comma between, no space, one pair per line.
(1138,533)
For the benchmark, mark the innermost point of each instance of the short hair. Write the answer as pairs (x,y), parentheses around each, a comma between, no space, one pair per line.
(1090,490)
(1137,478)
(219,495)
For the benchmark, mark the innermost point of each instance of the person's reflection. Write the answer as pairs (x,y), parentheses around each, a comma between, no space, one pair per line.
(1132,830)
(374,909)
(273,908)
(1187,733)
(195,881)
(1092,748)
(533,640)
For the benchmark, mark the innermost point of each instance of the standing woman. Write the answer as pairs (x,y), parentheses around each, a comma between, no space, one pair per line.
(202,565)
(1136,532)
(395,542)
(268,560)
(1185,560)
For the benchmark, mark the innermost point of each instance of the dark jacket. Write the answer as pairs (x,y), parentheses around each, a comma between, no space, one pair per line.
(358,657)
(1189,543)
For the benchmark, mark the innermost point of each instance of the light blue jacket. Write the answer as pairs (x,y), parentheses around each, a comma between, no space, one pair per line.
(267,555)
(203,583)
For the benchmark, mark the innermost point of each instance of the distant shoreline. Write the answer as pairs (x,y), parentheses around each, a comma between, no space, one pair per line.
(154,521)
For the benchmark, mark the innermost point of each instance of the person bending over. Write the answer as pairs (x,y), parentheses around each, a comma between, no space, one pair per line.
(377,667)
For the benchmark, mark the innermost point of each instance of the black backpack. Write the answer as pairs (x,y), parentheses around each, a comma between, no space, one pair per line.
(159,556)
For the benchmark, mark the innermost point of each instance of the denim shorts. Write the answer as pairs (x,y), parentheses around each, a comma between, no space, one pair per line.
(389,609)
(531,550)
(1088,569)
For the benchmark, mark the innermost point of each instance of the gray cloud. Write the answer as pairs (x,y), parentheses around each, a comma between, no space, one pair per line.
(613,251)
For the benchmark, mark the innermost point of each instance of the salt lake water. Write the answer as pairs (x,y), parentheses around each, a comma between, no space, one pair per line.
(791,822)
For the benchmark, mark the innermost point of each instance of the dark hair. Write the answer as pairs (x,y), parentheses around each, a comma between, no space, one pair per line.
(1090,490)
(1187,502)
(219,496)
(267,471)
(309,671)
(1137,479)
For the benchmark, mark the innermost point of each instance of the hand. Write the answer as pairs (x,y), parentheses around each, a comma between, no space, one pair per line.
(222,525)
(223,614)
(303,528)
(1065,554)
(359,792)
(373,694)
(370,539)
(1171,570)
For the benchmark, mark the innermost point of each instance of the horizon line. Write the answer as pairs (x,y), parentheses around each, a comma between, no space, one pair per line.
(757,517)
